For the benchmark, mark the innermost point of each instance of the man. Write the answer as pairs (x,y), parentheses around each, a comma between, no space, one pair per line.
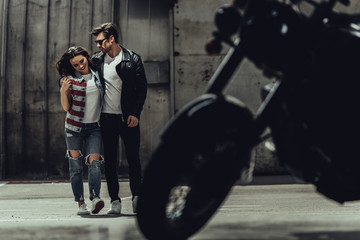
(123,76)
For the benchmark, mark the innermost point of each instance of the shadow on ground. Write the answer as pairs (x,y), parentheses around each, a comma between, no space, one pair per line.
(346,235)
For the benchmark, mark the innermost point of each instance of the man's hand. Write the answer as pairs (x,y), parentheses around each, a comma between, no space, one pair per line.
(132,121)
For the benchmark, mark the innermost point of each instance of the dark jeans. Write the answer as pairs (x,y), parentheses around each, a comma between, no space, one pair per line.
(113,126)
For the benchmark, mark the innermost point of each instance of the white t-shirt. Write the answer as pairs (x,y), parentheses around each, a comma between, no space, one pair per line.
(92,100)
(113,85)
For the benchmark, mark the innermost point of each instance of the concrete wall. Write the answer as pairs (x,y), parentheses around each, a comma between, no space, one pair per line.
(193,25)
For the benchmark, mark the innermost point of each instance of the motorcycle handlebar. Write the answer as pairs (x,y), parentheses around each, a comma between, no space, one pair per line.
(344,18)
(344,2)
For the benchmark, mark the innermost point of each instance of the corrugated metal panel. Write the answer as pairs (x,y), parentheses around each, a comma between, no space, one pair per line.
(144,28)
(37,33)
(15,74)
(3,24)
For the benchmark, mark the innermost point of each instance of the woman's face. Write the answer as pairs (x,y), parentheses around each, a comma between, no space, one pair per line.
(80,63)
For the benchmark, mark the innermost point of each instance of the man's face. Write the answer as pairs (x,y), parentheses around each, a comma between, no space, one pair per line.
(103,43)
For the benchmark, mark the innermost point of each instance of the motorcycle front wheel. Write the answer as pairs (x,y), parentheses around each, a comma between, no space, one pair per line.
(188,178)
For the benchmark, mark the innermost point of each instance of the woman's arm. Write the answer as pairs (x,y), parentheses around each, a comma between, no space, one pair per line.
(65,93)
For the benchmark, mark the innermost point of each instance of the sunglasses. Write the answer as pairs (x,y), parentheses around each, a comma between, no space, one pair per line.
(100,42)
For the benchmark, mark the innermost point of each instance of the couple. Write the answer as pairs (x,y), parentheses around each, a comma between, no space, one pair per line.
(107,90)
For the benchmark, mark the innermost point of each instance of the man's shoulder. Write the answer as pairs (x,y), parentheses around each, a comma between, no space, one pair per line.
(98,55)
(130,53)
(97,58)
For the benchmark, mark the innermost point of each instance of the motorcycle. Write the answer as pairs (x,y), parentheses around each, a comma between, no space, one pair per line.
(311,110)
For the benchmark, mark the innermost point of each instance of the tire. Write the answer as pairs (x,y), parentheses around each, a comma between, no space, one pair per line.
(191,174)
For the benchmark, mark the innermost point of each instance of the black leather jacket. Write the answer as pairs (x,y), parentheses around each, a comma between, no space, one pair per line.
(134,86)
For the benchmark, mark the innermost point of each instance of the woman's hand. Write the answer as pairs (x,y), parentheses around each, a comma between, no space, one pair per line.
(65,85)
(65,93)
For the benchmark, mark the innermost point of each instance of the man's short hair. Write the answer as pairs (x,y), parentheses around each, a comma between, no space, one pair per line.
(107,29)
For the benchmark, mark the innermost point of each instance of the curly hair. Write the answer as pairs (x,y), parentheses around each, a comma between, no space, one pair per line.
(63,65)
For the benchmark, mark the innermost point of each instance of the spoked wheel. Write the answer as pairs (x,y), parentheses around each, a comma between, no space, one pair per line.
(190,175)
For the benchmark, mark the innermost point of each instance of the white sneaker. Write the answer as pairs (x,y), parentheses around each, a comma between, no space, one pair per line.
(97,205)
(83,210)
(134,204)
(115,207)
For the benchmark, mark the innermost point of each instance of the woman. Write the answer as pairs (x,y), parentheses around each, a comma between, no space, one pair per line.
(81,97)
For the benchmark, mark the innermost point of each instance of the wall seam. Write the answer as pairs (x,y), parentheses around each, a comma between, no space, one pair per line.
(3,90)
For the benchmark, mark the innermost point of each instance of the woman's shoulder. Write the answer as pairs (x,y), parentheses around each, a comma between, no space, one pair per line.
(73,78)
(76,80)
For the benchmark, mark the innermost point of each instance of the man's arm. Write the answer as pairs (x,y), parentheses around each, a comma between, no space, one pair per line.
(141,84)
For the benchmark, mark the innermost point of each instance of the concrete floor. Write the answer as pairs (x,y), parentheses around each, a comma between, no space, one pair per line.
(39,210)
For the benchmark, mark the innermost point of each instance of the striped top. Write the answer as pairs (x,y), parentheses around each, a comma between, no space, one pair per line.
(75,115)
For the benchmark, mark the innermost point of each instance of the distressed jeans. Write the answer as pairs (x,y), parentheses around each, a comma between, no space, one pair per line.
(90,134)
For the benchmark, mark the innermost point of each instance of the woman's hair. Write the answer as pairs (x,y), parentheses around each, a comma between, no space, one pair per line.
(63,65)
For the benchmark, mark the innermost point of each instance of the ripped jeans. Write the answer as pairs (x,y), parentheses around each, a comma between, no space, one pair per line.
(90,134)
